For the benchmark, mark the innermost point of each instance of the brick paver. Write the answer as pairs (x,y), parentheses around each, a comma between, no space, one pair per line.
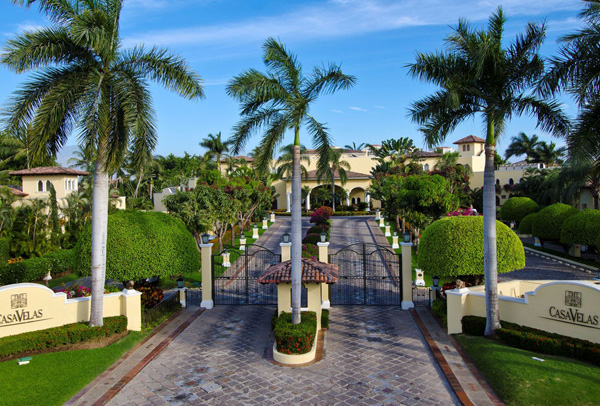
(373,355)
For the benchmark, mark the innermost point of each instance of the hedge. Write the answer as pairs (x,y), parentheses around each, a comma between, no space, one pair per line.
(337,213)
(311,239)
(142,245)
(549,221)
(532,339)
(582,228)
(295,339)
(525,227)
(4,251)
(453,246)
(34,269)
(59,336)
(515,208)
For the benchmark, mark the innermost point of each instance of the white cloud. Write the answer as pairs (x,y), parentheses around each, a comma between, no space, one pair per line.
(337,18)
(357,108)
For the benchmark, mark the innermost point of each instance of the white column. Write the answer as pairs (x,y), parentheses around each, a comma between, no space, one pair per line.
(308,202)
(348,197)
(368,201)
(288,196)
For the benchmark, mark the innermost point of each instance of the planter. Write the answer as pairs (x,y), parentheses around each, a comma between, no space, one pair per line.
(295,359)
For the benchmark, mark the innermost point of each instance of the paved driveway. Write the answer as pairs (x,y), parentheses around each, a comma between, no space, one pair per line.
(374,356)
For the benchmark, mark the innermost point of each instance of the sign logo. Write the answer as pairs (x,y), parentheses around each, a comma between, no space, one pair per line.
(18,301)
(572,299)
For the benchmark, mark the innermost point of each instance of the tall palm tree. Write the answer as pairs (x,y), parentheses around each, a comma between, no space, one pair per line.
(285,162)
(278,101)
(477,75)
(216,147)
(85,80)
(523,145)
(548,154)
(336,164)
(15,149)
(576,70)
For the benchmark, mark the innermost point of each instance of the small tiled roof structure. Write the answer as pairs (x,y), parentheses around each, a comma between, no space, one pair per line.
(350,174)
(469,139)
(17,192)
(312,271)
(48,170)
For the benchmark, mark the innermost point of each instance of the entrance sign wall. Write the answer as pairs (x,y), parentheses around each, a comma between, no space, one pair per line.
(569,308)
(28,307)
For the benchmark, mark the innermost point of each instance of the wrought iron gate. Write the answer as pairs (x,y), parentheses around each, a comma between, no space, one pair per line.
(368,275)
(235,275)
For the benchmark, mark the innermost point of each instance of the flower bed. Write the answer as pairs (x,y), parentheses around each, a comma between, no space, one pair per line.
(295,339)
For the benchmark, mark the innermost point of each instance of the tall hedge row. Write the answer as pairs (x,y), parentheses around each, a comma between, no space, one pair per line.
(4,251)
(34,269)
(548,221)
(515,208)
(582,228)
(142,245)
(453,246)
(526,224)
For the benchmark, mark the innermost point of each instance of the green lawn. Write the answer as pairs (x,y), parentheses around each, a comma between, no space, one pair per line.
(52,379)
(520,380)
(63,279)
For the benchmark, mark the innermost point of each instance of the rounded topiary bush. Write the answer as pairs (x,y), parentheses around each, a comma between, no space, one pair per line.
(453,246)
(548,221)
(527,223)
(311,239)
(141,245)
(581,228)
(515,208)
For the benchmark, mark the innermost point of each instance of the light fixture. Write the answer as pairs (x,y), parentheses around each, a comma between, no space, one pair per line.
(180,282)
(254,226)
(406,237)
(286,238)
(395,234)
(264,219)
(323,236)
(205,238)
(436,281)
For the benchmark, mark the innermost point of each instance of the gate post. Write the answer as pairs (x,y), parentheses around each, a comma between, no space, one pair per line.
(324,257)
(285,251)
(207,276)
(407,302)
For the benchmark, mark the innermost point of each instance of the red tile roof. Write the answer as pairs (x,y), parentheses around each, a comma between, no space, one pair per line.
(48,170)
(17,192)
(470,139)
(312,271)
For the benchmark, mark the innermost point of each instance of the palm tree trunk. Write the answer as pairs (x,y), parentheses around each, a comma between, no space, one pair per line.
(137,187)
(296,232)
(332,191)
(489,236)
(99,231)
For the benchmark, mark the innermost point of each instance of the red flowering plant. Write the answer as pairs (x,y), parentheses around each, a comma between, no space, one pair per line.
(463,212)
(321,215)
(75,290)
(295,339)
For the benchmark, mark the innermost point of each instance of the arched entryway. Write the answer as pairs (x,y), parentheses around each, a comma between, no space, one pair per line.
(322,196)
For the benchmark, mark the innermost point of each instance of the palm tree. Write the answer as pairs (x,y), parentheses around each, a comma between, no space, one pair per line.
(576,70)
(548,154)
(15,149)
(279,101)
(523,145)
(285,162)
(84,80)
(396,150)
(336,164)
(216,147)
(355,147)
(478,76)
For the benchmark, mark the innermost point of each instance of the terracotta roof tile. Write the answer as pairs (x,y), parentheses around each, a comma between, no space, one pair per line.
(17,192)
(312,271)
(48,170)
(470,139)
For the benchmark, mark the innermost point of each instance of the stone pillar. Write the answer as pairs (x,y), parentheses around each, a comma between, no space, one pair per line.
(265,224)
(284,297)
(377,215)
(368,201)
(313,299)
(456,300)
(407,302)
(286,248)
(308,202)
(288,196)
(255,233)
(207,283)
(324,257)
(132,302)
(387,231)
(347,198)
(575,250)
(381,223)
(395,242)
(226,262)
(272,217)
(243,243)
(181,292)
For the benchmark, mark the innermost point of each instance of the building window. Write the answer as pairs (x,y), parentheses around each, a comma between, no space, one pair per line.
(497,181)
(48,185)
(426,167)
(353,200)
(40,186)
(358,200)
(468,147)
(464,148)
(511,181)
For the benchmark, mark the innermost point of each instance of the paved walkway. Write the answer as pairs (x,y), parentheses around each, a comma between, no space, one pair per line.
(374,355)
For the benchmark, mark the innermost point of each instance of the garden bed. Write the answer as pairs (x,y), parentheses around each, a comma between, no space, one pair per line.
(294,344)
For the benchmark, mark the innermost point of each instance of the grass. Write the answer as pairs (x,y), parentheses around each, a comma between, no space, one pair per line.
(520,380)
(52,379)
(63,279)
(563,255)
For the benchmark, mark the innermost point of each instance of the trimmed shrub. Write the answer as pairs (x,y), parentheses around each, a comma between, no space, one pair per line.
(318,229)
(473,325)
(439,308)
(581,228)
(548,221)
(453,246)
(151,295)
(525,227)
(324,318)
(295,339)
(142,245)
(321,215)
(310,251)
(59,336)
(362,206)
(4,251)
(311,239)
(515,208)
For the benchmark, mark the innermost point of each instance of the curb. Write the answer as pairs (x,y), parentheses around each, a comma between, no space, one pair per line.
(560,260)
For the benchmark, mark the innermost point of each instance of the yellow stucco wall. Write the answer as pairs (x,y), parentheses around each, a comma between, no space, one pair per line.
(30,185)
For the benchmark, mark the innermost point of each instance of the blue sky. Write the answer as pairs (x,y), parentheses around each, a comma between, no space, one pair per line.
(371,39)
